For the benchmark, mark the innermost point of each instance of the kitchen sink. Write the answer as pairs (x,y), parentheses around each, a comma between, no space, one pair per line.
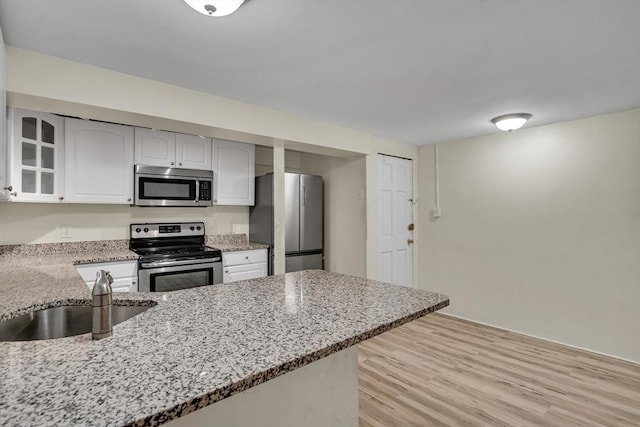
(59,322)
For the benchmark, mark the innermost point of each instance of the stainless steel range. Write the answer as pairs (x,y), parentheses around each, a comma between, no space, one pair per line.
(174,256)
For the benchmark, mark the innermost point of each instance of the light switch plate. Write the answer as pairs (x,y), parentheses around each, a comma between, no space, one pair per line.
(65,231)
(240,228)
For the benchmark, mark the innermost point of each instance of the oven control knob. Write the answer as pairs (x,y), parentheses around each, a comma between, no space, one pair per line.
(138,230)
(146,230)
(192,228)
(198,228)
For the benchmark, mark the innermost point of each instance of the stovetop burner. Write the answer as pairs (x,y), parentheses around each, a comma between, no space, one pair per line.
(171,241)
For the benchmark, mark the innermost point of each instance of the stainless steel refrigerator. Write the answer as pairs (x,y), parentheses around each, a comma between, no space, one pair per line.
(303,216)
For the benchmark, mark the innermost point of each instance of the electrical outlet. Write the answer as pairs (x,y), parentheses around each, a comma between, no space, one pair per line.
(65,231)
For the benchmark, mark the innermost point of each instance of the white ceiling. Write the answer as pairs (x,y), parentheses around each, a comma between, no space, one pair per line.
(416,71)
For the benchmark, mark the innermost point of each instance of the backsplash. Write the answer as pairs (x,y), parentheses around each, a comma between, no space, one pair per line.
(101,245)
(24,223)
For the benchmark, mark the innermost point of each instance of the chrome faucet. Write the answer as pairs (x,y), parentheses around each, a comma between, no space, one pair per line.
(101,305)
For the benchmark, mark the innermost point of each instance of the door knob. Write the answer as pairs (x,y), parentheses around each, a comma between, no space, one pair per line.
(409,241)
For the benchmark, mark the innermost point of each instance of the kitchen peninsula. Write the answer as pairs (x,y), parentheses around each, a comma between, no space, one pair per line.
(195,347)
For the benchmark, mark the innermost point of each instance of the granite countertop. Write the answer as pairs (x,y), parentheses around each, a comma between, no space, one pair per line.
(40,276)
(233,243)
(235,247)
(194,348)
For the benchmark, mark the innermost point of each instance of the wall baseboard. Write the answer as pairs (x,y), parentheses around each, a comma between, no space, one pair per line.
(588,350)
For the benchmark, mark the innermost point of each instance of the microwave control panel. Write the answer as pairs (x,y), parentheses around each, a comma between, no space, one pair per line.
(205,190)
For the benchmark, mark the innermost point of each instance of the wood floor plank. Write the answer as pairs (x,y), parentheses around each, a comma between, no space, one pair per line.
(439,370)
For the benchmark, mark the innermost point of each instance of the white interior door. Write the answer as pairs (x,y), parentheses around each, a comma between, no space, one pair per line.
(395,242)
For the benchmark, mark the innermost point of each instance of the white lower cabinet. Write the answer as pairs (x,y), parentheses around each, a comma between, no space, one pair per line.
(124,274)
(244,265)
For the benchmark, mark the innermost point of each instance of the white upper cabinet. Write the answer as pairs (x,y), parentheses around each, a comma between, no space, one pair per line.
(4,149)
(155,147)
(234,168)
(99,162)
(36,153)
(174,150)
(193,152)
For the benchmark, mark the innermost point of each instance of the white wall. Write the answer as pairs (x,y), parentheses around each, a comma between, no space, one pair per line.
(540,231)
(42,223)
(45,83)
(264,160)
(345,237)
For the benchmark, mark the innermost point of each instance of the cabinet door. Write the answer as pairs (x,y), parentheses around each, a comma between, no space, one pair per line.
(193,152)
(4,149)
(244,272)
(36,156)
(99,162)
(124,274)
(234,168)
(124,284)
(155,147)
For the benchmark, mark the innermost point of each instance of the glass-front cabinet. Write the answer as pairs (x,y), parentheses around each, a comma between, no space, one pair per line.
(37,154)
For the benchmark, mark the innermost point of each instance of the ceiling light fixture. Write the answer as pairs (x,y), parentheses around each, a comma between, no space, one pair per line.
(215,7)
(509,122)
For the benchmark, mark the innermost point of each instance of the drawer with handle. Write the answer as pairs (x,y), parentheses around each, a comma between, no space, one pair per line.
(244,257)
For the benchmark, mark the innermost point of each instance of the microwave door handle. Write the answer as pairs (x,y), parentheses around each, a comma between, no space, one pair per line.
(197,200)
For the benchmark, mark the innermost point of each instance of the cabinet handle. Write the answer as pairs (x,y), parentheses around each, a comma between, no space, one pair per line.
(409,241)
(14,194)
(61,198)
(180,164)
(173,163)
(128,200)
(9,187)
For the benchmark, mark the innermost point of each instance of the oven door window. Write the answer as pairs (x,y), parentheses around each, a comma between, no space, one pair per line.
(167,188)
(174,281)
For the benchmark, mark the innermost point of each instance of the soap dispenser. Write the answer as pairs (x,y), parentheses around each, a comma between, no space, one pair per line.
(101,304)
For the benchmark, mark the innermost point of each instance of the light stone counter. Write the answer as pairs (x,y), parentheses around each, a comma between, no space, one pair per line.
(194,348)
(234,243)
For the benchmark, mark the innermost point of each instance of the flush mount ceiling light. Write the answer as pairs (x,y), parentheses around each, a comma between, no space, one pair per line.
(215,7)
(509,122)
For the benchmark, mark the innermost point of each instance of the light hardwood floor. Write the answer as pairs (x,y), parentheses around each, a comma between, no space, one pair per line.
(439,370)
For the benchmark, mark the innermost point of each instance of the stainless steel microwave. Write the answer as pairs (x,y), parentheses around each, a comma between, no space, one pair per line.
(158,186)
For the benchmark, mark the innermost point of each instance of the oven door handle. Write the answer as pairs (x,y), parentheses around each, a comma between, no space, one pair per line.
(180,262)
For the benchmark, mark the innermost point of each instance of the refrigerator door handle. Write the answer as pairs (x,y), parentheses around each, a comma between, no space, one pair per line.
(304,196)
